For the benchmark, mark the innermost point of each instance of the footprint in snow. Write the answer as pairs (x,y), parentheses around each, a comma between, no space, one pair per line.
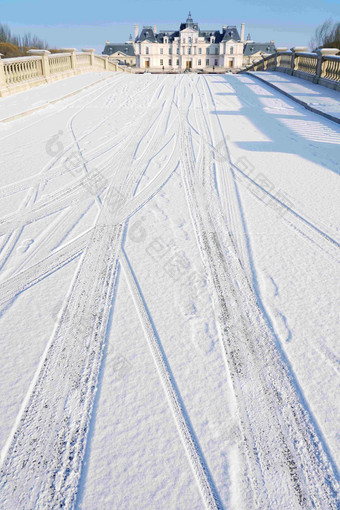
(26,245)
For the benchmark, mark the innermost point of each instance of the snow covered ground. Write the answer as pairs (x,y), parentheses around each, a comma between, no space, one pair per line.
(316,97)
(169,297)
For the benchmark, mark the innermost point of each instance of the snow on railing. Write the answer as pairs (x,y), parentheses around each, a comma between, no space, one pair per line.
(306,62)
(17,74)
(59,63)
(284,59)
(27,68)
(331,68)
(322,67)
(83,59)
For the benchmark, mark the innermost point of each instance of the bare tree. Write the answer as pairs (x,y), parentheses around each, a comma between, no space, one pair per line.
(27,41)
(326,35)
(5,34)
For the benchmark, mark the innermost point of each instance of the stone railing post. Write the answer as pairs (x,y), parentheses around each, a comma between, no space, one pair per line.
(256,62)
(106,62)
(45,65)
(278,52)
(295,58)
(73,56)
(2,73)
(91,52)
(322,52)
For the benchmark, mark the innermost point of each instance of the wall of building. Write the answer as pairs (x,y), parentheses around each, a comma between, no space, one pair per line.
(189,48)
(126,59)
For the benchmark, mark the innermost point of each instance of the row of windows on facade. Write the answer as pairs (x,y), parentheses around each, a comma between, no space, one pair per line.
(193,40)
(199,62)
(231,51)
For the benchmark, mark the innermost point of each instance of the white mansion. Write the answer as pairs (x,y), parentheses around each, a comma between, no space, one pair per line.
(189,47)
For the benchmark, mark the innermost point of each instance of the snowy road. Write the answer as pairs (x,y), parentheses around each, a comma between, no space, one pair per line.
(169,293)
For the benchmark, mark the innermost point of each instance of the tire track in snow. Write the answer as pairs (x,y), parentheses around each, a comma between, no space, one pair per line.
(22,281)
(306,224)
(36,212)
(44,461)
(280,440)
(298,221)
(193,451)
(62,255)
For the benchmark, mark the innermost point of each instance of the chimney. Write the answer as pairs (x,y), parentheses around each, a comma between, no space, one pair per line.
(154,28)
(242,32)
(136,31)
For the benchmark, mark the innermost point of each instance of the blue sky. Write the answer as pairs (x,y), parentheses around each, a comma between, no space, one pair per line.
(89,24)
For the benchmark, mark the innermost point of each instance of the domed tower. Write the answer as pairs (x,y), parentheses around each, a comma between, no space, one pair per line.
(189,22)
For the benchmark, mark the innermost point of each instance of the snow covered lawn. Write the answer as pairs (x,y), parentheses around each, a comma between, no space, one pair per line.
(169,293)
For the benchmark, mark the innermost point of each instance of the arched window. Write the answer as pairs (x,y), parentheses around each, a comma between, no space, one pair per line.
(147,50)
(231,50)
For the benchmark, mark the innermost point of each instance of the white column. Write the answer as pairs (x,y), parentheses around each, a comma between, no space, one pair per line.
(242,31)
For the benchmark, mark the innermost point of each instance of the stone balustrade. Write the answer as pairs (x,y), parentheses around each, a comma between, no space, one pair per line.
(22,73)
(321,67)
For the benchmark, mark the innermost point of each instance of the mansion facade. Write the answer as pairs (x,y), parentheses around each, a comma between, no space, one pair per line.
(188,48)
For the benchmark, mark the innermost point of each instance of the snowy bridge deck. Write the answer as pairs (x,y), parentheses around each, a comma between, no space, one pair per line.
(169,285)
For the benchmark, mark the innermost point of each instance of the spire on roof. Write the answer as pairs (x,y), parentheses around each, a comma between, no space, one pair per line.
(189,18)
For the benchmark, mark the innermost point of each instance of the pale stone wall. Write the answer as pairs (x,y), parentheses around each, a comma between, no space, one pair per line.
(250,59)
(322,67)
(128,59)
(189,50)
(22,73)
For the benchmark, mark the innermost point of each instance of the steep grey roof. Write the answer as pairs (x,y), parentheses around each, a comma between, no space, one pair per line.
(252,47)
(146,35)
(128,49)
(208,33)
(229,33)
